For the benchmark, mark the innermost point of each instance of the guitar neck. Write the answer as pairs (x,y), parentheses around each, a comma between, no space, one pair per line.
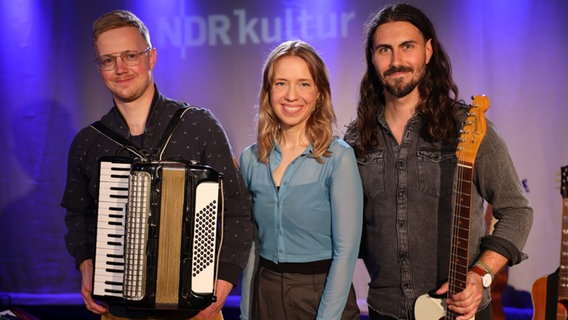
(470,140)
(472,134)
(563,274)
(459,248)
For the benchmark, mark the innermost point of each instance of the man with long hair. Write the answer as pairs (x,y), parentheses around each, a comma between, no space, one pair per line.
(405,136)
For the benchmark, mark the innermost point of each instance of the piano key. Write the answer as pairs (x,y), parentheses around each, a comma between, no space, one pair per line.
(107,284)
(111,227)
(111,220)
(107,166)
(114,183)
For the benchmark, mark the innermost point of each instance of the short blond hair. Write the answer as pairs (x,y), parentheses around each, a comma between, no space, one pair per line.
(118,19)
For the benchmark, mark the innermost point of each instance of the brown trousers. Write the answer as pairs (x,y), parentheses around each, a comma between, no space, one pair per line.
(293,296)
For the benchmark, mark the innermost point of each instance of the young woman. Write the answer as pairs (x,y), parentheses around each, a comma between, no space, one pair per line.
(307,196)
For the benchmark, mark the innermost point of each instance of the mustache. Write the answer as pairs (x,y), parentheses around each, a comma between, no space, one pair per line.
(392,70)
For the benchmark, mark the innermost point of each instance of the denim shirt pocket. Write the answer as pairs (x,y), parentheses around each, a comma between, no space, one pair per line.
(372,171)
(436,170)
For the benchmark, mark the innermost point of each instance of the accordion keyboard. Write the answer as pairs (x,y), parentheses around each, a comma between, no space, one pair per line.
(109,259)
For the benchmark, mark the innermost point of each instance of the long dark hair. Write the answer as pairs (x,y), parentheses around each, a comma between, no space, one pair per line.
(438,92)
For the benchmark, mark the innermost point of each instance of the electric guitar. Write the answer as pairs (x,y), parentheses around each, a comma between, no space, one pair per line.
(429,307)
(550,293)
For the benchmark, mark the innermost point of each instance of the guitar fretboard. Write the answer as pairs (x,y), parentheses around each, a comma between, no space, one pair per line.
(563,274)
(459,254)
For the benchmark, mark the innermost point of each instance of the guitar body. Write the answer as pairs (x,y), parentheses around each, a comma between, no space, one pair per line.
(545,300)
(430,308)
(539,298)
(550,293)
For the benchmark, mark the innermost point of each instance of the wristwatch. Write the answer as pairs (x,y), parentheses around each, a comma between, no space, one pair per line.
(486,277)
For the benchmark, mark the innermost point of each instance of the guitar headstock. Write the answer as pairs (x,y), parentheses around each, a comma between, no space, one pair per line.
(473,130)
(481,102)
(564,181)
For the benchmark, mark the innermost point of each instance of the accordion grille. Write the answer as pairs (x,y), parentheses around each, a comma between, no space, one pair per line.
(137,235)
(205,221)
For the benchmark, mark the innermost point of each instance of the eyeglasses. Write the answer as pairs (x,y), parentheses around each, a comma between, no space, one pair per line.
(129,57)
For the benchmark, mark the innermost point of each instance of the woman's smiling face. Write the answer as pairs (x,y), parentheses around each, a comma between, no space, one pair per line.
(293,92)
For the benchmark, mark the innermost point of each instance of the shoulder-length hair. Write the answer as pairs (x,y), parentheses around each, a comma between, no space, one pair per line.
(438,92)
(319,124)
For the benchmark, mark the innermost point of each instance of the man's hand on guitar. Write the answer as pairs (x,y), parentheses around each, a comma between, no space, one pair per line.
(467,301)
(86,268)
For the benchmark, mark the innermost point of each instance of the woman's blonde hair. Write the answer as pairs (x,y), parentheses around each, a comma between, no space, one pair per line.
(319,125)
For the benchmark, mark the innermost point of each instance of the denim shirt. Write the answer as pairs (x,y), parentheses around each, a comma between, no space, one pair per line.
(408,208)
(316,214)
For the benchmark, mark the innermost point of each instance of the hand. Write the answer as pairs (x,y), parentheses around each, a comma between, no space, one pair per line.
(222,292)
(467,301)
(86,268)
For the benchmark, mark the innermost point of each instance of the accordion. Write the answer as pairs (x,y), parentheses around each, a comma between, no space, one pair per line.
(159,230)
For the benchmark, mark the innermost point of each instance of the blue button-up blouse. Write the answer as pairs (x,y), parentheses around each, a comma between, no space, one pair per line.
(315,214)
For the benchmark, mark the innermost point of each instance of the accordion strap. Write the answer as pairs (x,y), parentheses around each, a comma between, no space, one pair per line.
(171,128)
(117,138)
(124,143)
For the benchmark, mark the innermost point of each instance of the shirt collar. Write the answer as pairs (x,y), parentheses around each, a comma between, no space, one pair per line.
(276,149)
(382,121)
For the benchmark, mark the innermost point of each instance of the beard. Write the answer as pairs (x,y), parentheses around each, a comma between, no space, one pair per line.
(399,89)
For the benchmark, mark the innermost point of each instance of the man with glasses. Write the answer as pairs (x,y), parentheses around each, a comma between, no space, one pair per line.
(140,114)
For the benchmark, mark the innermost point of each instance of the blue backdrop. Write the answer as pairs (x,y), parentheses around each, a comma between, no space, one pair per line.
(210,53)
